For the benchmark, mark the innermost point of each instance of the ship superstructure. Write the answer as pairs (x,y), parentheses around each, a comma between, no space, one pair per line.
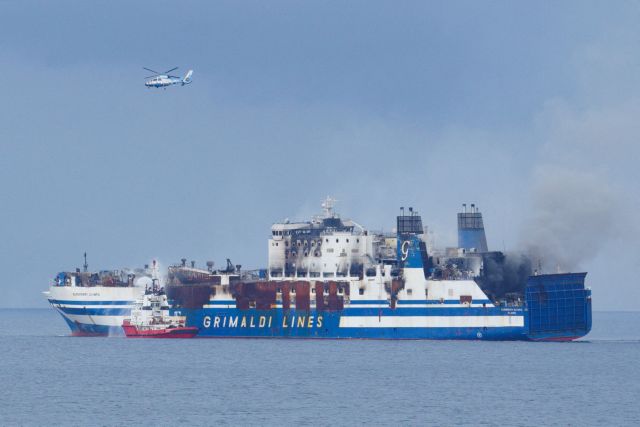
(325,247)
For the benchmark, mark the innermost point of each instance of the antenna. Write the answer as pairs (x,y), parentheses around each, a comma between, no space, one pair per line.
(86,266)
(327,206)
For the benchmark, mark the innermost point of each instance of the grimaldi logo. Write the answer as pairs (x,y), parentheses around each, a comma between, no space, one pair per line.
(292,321)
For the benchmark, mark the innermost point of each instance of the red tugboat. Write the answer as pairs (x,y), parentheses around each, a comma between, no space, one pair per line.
(150,318)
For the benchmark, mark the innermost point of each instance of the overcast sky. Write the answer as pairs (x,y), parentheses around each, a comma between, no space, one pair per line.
(530,110)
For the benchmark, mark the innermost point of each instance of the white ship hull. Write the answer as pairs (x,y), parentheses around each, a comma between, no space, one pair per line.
(96,310)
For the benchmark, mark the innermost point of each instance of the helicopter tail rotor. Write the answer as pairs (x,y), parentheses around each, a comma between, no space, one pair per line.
(187,78)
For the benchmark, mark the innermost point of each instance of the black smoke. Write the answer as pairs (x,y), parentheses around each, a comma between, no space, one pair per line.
(504,275)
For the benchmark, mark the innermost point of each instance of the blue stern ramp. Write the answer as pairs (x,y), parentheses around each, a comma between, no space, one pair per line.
(559,307)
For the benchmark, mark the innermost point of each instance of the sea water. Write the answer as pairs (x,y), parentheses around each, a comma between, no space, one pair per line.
(50,378)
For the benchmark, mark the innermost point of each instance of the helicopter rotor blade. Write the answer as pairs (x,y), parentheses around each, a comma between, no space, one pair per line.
(168,71)
(149,69)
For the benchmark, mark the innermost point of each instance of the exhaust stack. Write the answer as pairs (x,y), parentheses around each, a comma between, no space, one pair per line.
(471,230)
(411,249)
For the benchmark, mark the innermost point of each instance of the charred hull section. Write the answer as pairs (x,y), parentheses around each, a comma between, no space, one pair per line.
(266,295)
(189,296)
(301,295)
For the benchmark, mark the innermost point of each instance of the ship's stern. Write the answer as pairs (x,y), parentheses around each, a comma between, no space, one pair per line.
(558,307)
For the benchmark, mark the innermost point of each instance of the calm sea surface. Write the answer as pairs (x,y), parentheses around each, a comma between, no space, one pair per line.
(49,378)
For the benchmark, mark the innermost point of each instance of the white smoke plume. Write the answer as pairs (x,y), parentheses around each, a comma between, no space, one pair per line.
(573,215)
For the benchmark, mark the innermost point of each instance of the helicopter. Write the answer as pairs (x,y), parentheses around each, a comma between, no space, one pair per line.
(164,79)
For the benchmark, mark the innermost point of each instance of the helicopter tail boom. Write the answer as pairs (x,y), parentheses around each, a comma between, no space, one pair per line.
(187,78)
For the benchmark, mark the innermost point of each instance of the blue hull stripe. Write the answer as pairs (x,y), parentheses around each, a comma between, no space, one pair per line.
(401,311)
(97,311)
(451,301)
(98,330)
(429,311)
(414,302)
(369,301)
(72,302)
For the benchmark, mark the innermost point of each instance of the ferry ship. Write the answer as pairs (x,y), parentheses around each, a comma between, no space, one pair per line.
(95,303)
(331,278)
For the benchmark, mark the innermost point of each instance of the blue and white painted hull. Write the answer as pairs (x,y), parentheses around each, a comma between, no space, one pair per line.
(557,308)
(94,311)
(462,323)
